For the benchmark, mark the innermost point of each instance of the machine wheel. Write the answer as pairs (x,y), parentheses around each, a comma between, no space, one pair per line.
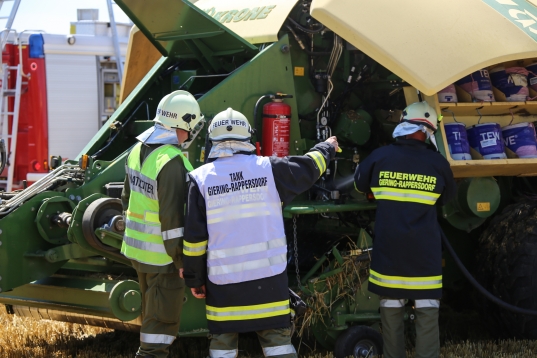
(506,263)
(96,215)
(358,342)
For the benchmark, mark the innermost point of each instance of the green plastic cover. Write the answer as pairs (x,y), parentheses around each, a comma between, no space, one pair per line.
(175,26)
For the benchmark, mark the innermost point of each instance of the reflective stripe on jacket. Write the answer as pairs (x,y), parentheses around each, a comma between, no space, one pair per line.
(244,220)
(143,240)
(407,283)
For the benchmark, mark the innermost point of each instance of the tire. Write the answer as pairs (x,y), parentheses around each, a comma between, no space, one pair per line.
(357,342)
(506,266)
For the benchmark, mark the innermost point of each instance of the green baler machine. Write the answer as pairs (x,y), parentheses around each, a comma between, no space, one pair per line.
(60,237)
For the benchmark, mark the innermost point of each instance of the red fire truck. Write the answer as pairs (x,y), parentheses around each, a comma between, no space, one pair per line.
(57,91)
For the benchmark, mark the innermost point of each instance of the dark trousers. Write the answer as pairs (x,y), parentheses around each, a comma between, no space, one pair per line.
(162,303)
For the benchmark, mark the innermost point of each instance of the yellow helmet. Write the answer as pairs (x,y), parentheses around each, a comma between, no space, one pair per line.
(179,110)
(229,125)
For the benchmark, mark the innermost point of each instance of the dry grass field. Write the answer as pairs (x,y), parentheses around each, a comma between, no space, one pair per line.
(28,337)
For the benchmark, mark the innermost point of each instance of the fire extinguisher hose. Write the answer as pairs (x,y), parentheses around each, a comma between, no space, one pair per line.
(478,286)
(256,107)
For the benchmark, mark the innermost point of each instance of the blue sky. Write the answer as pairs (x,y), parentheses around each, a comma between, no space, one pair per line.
(55,16)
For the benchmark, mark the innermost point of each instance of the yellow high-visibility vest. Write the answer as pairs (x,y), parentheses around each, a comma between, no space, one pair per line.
(143,240)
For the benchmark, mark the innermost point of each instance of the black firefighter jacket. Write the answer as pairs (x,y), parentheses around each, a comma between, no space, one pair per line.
(409,181)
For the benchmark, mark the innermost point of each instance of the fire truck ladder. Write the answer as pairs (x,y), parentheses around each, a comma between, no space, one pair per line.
(9,135)
(9,22)
(115,40)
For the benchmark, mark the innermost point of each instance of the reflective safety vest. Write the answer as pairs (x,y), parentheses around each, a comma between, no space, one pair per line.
(143,240)
(244,220)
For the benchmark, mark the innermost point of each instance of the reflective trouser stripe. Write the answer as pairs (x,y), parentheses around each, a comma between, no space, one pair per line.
(238,313)
(247,249)
(427,303)
(218,353)
(241,211)
(279,350)
(318,158)
(156,338)
(248,265)
(173,234)
(406,195)
(194,249)
(140,227)
(391,303)
(409,283)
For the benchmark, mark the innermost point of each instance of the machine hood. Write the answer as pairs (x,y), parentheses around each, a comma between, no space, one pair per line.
(178,28)
(432,43)
(256,21)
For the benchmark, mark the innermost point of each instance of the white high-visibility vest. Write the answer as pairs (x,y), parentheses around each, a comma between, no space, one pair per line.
(244,219)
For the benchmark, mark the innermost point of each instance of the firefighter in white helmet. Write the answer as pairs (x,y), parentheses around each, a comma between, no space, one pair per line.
(153,199)
(235,250)
(409,179)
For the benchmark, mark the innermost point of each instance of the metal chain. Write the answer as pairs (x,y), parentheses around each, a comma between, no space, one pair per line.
(295,241)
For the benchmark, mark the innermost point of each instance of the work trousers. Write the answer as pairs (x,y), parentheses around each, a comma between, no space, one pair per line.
(275,343)
(162,303)
(392,313)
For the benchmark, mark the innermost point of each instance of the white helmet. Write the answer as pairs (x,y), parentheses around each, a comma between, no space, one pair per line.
(420,113)
(229,125)
(179,110)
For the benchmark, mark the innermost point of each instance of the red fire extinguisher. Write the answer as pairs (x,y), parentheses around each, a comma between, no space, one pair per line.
(276,126)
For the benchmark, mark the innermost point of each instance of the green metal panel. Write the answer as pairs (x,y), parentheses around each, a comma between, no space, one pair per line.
(50,207)
(313,207)
(178,28)
(96,297)
(71,294)
(476,200)
(353,127)
(269,72)
(18,238)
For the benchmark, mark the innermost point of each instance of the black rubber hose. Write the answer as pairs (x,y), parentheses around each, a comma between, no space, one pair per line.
(304,29)
(303,47)
(3,155)
(478,286)
(256,107)
(103,149)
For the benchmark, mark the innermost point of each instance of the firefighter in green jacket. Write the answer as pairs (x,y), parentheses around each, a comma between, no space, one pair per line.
(153,200)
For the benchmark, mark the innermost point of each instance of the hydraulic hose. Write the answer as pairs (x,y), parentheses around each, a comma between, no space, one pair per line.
(303,47)
(304,29)
(3,155)
(103,149)
(478,286)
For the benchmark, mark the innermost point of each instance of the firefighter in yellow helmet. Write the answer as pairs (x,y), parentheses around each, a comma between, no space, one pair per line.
(235,249)
(409,179)
(153,200)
